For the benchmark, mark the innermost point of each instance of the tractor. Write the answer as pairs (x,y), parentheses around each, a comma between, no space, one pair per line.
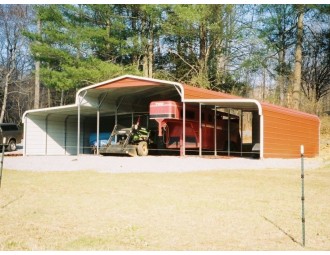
(133,141)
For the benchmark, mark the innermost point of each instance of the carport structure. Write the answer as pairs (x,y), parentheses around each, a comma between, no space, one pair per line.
(64,130)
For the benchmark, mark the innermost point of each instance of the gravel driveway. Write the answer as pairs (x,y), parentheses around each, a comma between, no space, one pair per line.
(149,164)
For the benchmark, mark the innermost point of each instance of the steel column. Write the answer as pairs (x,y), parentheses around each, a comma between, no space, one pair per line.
(228,131)
(78,130)
(215,130)
(78,124)
(46,138)
(184,130)
(97,130)
(241,133)
(261,136)
(200,129)
(65,132)
(25,132)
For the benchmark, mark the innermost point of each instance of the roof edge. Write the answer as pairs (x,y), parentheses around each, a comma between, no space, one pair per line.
(47,109)
(179,85)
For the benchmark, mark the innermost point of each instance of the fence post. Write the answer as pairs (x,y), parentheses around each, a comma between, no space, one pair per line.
(2,157)
(302,194)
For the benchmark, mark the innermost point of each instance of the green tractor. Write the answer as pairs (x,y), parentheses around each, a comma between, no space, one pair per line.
(132,141)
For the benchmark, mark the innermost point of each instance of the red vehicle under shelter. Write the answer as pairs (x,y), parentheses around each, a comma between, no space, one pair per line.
(214,127)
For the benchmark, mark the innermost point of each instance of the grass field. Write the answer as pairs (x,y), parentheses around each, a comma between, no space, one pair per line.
(220,210)
(216,210)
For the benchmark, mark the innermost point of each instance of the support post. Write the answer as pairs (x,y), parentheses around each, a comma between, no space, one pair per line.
(98,122)
(78,130)
(183,152)
(241,133)
(2,157)
(200,129)
(302,194)
(65,134)
(261,136)
(46,135)
(228,131)
(78,125)
(215,130)
(98,131)
(25,136)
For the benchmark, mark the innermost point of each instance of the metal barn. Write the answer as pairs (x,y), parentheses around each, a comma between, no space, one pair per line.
(276,132)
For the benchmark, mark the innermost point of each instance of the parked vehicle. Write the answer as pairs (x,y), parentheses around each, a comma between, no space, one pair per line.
(169,115)
(12,134)
(166,134)
(131,141)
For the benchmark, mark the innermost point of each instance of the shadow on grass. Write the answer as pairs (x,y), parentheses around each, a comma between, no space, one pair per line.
(283,231)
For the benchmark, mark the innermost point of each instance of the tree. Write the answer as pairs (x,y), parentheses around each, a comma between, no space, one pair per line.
(316,56)
(74,48)
(197,38)
(278,27)
(37,72)
(13,49)
(298,58)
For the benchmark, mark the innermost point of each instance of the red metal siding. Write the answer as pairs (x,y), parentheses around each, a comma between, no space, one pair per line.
(286,129)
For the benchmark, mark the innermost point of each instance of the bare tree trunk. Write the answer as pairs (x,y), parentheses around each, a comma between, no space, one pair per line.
(263,90)
(62,97)
(145,65)
(49,98)
(281,78)
(135,56)
(150,54)
(298,59)
(37,74)
(5,95)
(37,85)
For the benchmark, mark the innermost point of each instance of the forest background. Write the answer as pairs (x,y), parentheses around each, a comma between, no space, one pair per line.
(274,53)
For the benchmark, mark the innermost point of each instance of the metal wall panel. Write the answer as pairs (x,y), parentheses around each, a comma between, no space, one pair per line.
(285,130)
(35,136)
(71,135)
(55,143)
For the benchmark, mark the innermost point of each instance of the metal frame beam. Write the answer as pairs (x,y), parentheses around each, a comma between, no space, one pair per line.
(241,104)
(78,124)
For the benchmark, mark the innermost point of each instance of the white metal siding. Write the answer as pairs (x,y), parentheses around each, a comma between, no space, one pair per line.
(55,135)
(35,140)
(71,135)
(55,143)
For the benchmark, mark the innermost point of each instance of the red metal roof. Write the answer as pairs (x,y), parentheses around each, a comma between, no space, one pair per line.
(191,92)
(128,82)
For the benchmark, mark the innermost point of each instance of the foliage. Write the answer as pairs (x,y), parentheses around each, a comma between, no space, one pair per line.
(232,48)
(325,126)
